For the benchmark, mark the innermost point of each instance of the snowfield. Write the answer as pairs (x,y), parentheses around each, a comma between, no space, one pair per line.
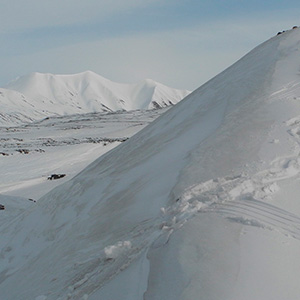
(30,153)
(203,203)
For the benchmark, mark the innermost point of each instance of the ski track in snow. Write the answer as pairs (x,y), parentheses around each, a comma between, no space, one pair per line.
(243,199)
(238,199)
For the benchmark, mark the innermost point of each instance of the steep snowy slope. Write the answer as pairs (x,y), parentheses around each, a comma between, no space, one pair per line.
(201,204)
(83,93)
(16,108)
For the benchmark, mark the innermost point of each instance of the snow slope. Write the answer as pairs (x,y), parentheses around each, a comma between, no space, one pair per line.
(17,109)
(200,204)
(48,95)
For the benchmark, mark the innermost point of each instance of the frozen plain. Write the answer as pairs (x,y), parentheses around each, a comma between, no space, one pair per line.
(32,152)
(201,204)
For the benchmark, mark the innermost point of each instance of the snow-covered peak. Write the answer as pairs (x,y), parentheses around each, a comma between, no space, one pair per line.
(89,92)
(188,208)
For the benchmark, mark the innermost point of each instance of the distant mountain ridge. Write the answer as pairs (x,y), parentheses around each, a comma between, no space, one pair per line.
(37,95)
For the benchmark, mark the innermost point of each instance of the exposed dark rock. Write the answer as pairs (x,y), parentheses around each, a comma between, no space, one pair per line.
(39,150)
(155,105)
(23,151)
(280,32)
(56,176)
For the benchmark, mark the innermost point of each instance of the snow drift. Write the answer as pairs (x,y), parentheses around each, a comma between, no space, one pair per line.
(201,204)
(38,95)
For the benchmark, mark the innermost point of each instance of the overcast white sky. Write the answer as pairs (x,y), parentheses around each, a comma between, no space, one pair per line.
(179,43)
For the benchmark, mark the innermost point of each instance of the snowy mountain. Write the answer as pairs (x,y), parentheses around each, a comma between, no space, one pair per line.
(39,95)
(200,204)
(16,108)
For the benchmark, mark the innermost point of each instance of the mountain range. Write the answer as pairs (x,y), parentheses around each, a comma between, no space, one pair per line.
(36,96)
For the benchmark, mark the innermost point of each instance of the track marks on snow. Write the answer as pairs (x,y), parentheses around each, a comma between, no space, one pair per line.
(260,214)
(244,199)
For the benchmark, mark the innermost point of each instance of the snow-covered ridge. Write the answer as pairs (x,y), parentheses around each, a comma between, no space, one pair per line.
(17,108)
(38,95)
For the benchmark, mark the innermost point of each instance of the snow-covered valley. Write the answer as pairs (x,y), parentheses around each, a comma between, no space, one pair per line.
(31,153)
(203,203)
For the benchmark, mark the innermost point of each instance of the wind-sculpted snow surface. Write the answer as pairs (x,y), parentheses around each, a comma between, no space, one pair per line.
(200,204)
(36,96)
